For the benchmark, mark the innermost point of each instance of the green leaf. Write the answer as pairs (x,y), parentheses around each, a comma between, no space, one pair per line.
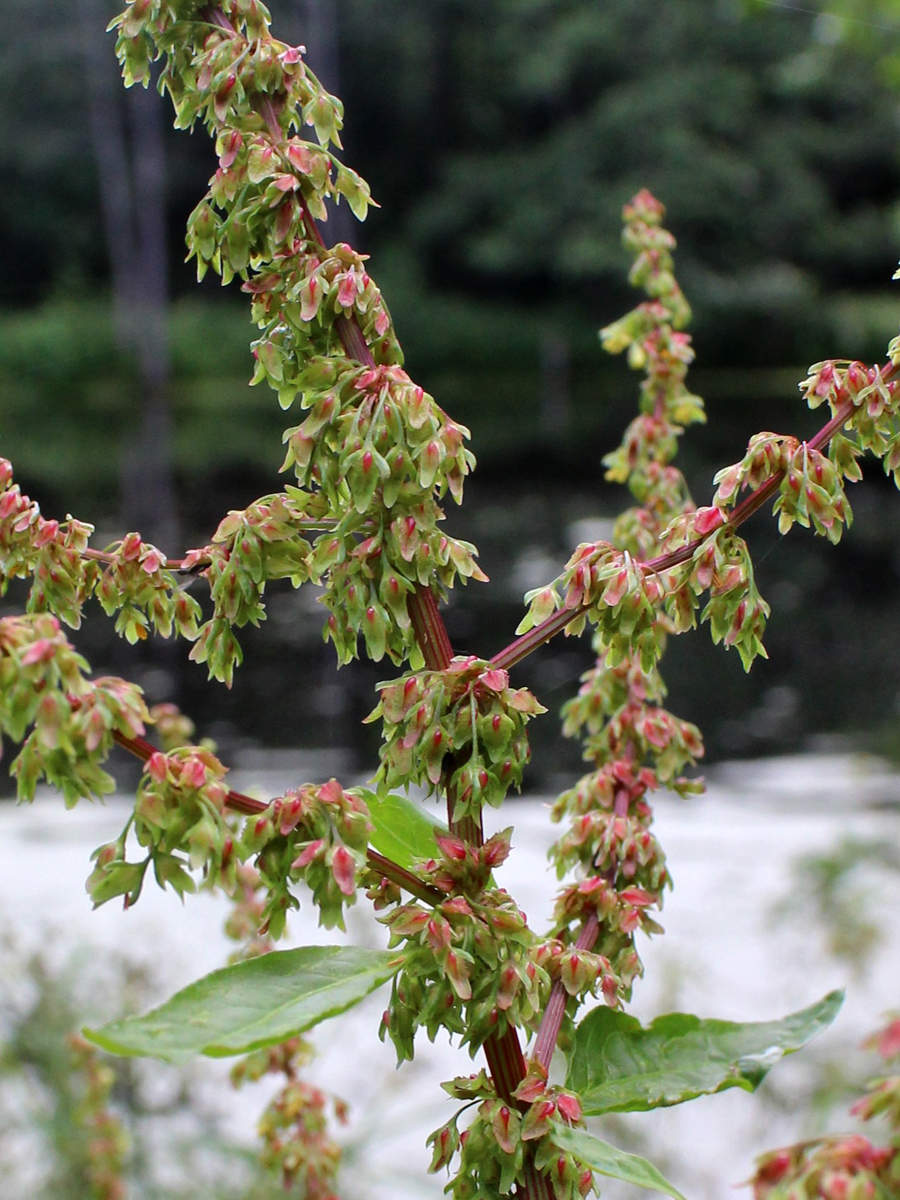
(618,1066)
(402,831)
(610,1161)
(252,1004)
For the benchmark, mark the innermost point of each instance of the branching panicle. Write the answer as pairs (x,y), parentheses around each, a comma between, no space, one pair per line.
(374,457)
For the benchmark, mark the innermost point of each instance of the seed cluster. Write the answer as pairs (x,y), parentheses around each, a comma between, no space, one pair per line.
(465,723)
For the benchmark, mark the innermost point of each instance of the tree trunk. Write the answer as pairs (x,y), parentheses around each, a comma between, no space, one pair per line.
(127,136)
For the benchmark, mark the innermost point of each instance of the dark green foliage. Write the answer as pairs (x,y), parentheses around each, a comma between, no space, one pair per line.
(61,360)
(248,1005)
(618,1066)
(517,131)
(773,153)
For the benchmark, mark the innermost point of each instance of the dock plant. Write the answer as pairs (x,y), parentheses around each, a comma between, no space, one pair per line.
(374,461)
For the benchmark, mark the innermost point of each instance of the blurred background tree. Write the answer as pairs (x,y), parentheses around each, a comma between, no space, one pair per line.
(48,1142)
(502,138)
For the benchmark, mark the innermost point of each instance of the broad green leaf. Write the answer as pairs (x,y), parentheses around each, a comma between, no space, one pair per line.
(610,1161)
(252,1004)
(618,1066)
(403,831)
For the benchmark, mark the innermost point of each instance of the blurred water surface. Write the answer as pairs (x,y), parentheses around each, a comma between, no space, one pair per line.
(743,942)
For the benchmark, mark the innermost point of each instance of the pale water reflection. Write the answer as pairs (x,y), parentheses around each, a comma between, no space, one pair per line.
(739,945)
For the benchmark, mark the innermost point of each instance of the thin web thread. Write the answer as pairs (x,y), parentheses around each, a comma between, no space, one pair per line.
(817,12)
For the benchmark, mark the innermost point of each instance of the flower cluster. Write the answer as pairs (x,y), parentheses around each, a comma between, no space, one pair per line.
(583,973)
(262,542)
(600,837)
(469,962)
(618,591)
(374,453)
(811,484)
(303,306)
(371,427)
(180,807)
(812,493)
(652,335)
(639,732)
(867,398)
(843,1168)
(179,818)
(318,834)
(719,563)
(505,1137)
(73,719)
(468,968)
(382,452)
(633,743)
(663,491)
(465,723)
(846,1168)
(107,1140)
(620,872)
(613,591)
(247,915)
(767,454)
(294,1126)
(173,727)
(30,545)
(134,582)
(211,79)
(883,1098)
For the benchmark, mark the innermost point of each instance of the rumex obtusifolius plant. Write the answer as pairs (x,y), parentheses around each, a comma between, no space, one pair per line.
(374,458)
(850,1166)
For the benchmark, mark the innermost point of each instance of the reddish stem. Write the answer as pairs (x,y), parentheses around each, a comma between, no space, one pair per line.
(557,622)
(238,802)
(506,1063)
(551,1021)
(404,878)
(505,1059)
(537,1186)
(504,1055)
(429,629)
